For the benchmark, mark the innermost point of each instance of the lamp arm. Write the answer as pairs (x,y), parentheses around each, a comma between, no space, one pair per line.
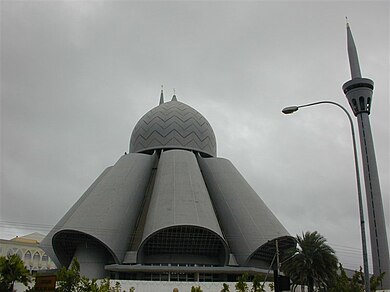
(359,189)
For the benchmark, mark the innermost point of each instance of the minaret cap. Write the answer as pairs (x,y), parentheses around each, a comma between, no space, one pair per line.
(358,90)
(162,95)
(174,98)
(352,54)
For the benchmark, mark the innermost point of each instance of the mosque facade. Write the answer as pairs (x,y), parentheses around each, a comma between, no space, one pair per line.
(169,210)
(28,250)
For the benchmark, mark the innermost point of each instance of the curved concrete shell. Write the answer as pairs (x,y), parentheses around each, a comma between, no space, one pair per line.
(247,222)
(105,216)
(181,225)
(46,243)
(169,210)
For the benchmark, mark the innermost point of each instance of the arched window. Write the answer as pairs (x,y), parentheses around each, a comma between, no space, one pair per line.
(354,106)
(19,254)
(36,259)
(27,257)
(362,103)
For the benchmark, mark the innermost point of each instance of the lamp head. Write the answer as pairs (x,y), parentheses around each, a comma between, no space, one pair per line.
(290,109)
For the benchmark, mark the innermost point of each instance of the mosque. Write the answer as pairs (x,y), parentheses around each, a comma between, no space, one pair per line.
(169,210)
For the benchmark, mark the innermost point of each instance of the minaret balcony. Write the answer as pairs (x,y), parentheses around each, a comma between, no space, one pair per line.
(359,94)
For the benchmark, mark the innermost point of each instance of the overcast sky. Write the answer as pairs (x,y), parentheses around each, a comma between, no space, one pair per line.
(76,77)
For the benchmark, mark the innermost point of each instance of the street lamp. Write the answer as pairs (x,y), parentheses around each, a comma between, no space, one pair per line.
(292,109)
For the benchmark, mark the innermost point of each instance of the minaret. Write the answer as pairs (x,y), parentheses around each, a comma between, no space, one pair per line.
(359,94)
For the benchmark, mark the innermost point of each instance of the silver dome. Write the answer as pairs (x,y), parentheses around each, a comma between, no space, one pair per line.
(173,125)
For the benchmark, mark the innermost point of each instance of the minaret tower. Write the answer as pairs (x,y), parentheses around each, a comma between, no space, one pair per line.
(359,91)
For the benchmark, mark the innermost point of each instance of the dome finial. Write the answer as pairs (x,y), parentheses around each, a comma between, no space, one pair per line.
(162,95)
(174,95)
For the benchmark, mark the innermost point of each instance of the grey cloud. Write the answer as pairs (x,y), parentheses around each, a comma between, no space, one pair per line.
(76,77)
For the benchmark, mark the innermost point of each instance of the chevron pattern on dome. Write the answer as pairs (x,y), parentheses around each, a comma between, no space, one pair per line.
(173,125)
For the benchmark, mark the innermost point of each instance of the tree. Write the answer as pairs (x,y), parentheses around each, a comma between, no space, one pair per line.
(355,284)
(258,285)
(311,262)
(69,279)
(241,285)
(196,289)
(105,285)
(342,283)
(86,285)
(225,288)
(375,281)
(12,270)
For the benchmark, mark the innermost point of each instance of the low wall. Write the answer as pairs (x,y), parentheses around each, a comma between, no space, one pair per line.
(162,286)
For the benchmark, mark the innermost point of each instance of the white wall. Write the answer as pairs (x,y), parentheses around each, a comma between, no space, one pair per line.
(149,286)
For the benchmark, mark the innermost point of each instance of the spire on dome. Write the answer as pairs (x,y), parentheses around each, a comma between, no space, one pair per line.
(162,95)
(352,54)
(174,98)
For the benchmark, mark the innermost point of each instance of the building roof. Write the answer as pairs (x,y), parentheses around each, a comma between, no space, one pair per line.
(173,125)
(34,237)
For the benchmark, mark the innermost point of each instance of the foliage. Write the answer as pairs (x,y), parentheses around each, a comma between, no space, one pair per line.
(375,281)
(225,288)
(257,284)
(86,285)
(196,289)
(105,285)
(311,262)
(342,282)
(355,284)
(70,280)
(12,270)
(241,285)
(117,287)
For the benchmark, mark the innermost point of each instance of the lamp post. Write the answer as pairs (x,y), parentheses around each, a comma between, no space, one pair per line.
(292,109)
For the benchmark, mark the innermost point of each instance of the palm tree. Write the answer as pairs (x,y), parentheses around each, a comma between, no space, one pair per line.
(12,270)
(311,262)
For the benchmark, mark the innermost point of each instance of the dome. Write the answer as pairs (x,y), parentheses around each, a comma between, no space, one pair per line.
(173,125)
